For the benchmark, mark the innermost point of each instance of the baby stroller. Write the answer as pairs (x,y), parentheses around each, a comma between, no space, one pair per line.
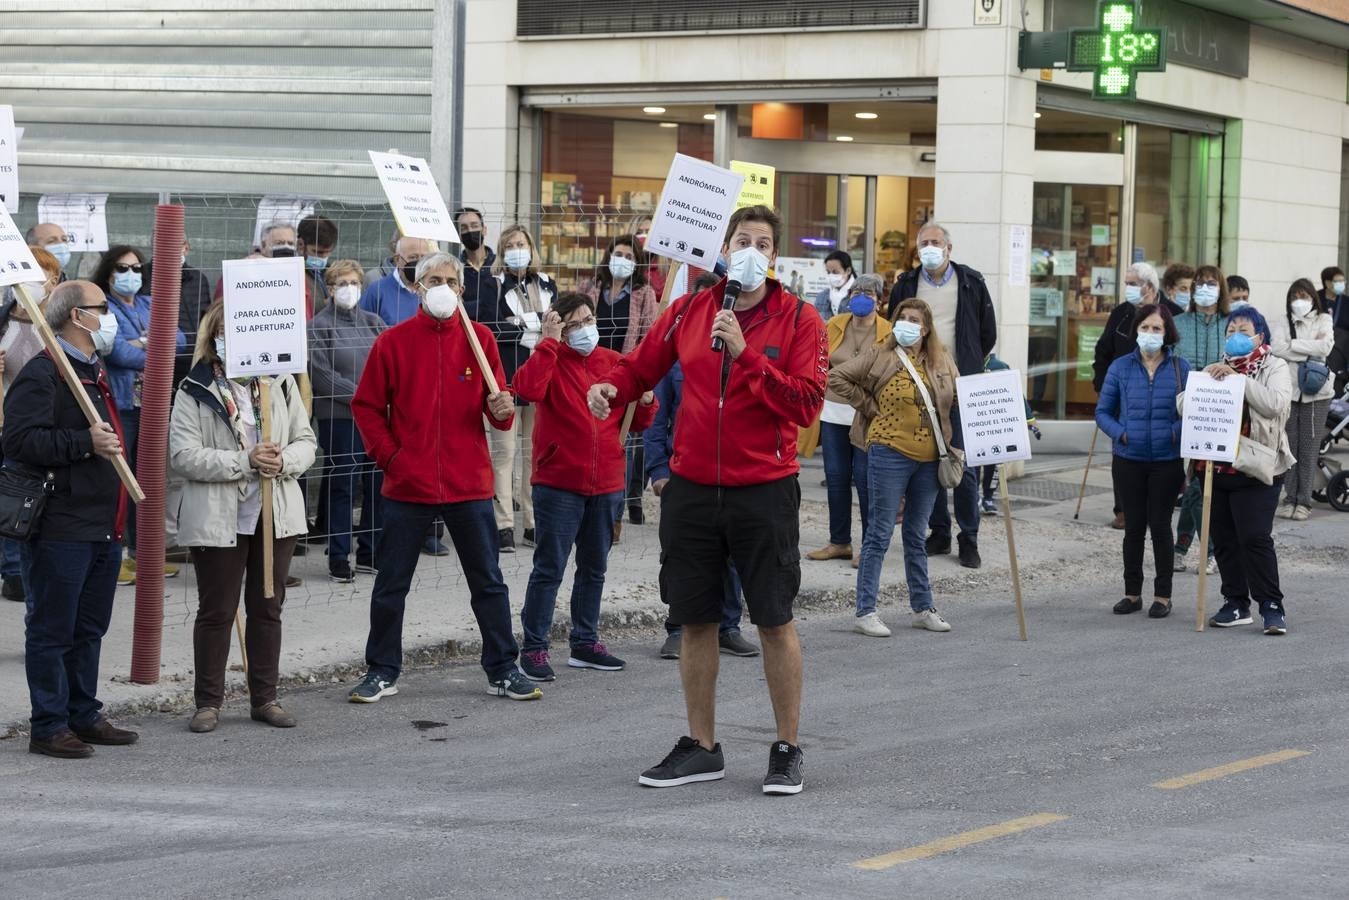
(1332,481)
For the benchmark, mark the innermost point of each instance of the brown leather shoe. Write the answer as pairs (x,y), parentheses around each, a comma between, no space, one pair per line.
(107,734)
(618,532)
(856,560)
(831,551)
(273,715)
(1118,524)
(205,719)
(62,745)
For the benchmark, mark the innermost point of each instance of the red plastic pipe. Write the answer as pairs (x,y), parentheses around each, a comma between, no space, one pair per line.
(153,444)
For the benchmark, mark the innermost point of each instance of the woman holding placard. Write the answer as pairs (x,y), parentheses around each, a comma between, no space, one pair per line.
(217,460)
(903,389)
(1246,493)
(1137,411)
(1305,339)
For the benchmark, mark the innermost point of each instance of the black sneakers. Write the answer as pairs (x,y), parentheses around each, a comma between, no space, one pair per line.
(687,762)
(969,553)
(506,540)
(784,769)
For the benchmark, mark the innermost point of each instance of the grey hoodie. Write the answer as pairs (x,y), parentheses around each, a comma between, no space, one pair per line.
(339,344)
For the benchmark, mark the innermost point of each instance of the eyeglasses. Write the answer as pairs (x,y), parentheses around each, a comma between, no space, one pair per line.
(1206,284)
(584,323)
(342,284)
(100,308)
(123,268)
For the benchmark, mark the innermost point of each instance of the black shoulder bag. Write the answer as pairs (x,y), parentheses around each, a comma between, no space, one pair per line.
(23,498)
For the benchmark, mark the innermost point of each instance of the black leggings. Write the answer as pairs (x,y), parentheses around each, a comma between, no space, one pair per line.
(1242,519)
(1148,493)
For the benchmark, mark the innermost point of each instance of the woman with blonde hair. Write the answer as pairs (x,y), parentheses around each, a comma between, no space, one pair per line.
(525,293)
(217,460)
(903,390)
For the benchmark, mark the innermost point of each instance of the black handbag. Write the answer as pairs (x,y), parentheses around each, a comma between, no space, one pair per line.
(23,497)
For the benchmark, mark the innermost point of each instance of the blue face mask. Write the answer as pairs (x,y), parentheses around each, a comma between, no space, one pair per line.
(1239,344)
(316,263)
(1150,343)
(862,305)
(584,340)
(1206,296)
(127,283)
(907,333)
(1133,293)
(1182,299)
(61,252)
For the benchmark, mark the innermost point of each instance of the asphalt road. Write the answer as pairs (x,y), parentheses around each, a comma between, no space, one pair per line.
(444,791)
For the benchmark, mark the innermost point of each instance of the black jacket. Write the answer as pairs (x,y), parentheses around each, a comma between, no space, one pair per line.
(497,316)
(45,429)
(976,324)
(480,286)
(1118,339)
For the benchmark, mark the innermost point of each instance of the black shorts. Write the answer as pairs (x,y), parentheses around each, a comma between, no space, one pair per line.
(756,527)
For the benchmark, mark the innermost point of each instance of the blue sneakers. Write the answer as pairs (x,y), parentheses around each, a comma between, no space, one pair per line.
(534,663)
(1231,615)
(1275,623)
(514,685)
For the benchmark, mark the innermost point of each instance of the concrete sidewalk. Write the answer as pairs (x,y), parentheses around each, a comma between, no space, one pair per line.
(326,623)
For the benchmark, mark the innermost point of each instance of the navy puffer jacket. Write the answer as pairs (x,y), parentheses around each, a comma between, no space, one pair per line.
(1143,408)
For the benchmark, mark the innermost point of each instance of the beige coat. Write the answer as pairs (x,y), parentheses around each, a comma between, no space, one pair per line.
(1269,398)
(861,380)
(209,474)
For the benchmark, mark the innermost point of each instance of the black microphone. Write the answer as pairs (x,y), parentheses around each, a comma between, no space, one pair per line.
(727,303)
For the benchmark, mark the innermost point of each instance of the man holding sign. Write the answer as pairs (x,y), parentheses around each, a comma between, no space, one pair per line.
(733,492)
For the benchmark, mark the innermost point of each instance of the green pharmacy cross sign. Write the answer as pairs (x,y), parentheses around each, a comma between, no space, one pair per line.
(1116,50)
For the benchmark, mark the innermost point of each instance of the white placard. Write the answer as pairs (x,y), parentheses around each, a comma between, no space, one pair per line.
(987,12)
(84,217)
(288,209)
(16,260)
(803,277)
(9,161)
(1103,281)
(1211,425)
(1065,263)
(1018,256)
(417,205)
(694,210)
(993,417)
(264,317)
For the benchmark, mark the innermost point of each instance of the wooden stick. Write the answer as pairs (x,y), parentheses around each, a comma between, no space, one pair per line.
(268,525)
(671,269)
(1082,491)
(1203,549)
(243,649)
(1011,550)
(488,377)
(627,425)
(72,380)
(306,393)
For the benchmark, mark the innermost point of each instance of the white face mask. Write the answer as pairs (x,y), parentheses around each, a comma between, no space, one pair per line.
(441,301)
(620,267)
(584,340)
(749,267)
(932,257)
(1206,296)
(220,349)
(347,296)
(37,290)
(517,258)
(106,333)
(907,333)
(837,280)
(1301,307)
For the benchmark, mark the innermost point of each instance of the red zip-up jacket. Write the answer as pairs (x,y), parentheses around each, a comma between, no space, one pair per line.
(574,451)
(775,386)
(419,407)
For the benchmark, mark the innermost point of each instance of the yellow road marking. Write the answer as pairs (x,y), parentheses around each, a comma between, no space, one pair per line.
(1232,768)
(957,841)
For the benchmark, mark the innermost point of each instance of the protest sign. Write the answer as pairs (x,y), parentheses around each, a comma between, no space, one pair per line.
(993,417)
(264,317)
(9,161)
(1211,425)
(16,260)
(694,210)
(417,205)
(84,217)
(276,208)
(759,180)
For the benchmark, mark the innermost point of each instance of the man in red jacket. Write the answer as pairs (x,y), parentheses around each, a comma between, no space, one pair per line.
(578,483)
(733,491)
(419,407)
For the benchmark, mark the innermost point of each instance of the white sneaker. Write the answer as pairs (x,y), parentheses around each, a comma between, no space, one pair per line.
(1212,567)
(870,625)
(931,620)
(1300,513)
(1179,564)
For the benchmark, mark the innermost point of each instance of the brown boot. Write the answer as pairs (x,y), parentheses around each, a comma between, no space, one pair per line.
(618,531)
(1118,524)
(206,719)
(831,551)
(107,734)
(273,715)
(62,745)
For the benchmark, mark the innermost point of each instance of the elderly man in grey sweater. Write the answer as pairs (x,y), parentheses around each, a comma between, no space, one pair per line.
(340,337)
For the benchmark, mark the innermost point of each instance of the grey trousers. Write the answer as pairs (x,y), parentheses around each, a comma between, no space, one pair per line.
(1306,424)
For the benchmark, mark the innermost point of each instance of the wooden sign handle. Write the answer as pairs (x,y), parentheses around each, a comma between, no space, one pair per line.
(72,380)
(627,425)
(268,486)
(1199,614)
(488,376)
(1011,550)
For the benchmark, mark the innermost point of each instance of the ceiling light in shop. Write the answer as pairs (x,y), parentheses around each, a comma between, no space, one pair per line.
(844,138)
(1037,115)
(669,124)
(653,110)
(866,116)
(711,117)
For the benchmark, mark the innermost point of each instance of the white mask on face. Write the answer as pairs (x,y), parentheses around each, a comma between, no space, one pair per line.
(621,267)
(931,257)
(441,301)
(1301,307)
(837,280)
(347,296)
(104,335)
(517,258)
(749,267)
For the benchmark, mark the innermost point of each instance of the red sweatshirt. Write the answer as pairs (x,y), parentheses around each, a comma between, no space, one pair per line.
(776,385)
(419,408)
(574,451)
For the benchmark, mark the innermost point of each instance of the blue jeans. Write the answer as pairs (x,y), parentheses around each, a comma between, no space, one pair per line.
(350,470)
(9,559)
(563,519)
(472,528)
(69,608)
(892,476)
(844,466)
(731,606)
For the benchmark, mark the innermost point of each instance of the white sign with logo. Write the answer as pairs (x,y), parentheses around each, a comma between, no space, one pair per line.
(264,317)
(285,209)
(694,210)
(417,205)
(803,277)
(16,260)
(987,12)
(1211,425)
(9,161)
(83,216)
(993,418)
